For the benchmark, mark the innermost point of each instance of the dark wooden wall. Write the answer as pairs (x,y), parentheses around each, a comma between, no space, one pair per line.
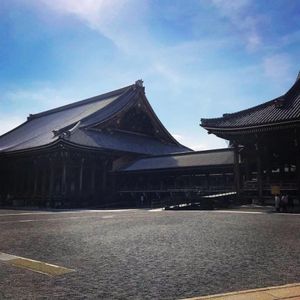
(60,177)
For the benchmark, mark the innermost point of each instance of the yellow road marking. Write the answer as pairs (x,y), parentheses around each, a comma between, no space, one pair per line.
(34,265)
(289,291)
(40,267)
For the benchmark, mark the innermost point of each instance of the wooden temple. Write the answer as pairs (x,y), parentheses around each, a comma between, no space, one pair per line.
(266,140)
(112,150)
(64,157)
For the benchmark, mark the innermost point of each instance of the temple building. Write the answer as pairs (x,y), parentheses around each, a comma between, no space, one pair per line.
(63,157)
(266,141)
(112,150)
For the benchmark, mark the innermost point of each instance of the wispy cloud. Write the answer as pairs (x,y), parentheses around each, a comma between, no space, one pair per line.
(289,39)
(107,17)
(277,67)
(239,14)
(39,98)
(43,97)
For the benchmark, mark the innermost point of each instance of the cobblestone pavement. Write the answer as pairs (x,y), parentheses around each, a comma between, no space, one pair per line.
(139,254)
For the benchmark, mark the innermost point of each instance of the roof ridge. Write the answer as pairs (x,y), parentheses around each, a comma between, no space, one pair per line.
(288,96)
(127,95)
(243,111)
(81,102)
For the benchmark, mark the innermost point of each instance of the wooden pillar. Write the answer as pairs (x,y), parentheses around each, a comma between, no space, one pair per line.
(21,179)
(15,179)
(208,181)
(93,178)
(161,183)
(237,173)
(51,179)
(247,169)
(81,176)
(44,179)
(298,175)
(113,183)
(223,184)
(297,151)
(35,183)
(104,176)
(259,176)
(268,169)
(64,176)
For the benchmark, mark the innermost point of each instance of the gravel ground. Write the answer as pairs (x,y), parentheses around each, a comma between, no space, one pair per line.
(148,255)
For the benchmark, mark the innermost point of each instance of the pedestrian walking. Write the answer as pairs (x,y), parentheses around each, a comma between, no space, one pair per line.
(142,201)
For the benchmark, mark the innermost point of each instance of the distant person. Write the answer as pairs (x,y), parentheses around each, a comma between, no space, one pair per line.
(277,203)
(142,201)
(284,202)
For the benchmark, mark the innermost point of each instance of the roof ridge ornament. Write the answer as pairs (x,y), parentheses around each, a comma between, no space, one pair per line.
(66,131)
(139,83)
(298,76)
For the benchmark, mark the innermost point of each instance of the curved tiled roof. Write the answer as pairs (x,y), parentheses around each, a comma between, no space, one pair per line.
(38,129)
(74,124)
(217,157)
(277,111)
(123,141)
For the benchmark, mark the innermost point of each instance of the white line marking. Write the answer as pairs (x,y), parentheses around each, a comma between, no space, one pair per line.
(156,210)
(7,257)
(46,220)
(107,217)
(255,212)
(239,212)
(67,212)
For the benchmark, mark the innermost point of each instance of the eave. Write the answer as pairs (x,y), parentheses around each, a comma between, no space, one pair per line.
(176,169)
(62,143)
(254,128)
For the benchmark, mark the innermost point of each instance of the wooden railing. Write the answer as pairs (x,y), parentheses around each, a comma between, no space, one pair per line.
(195,189)
(286,185)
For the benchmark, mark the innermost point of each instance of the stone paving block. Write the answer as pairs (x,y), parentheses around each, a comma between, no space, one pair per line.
(285,292)
(238,296)
(248,296)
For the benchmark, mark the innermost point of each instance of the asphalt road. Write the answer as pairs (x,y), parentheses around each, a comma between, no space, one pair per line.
(140,254)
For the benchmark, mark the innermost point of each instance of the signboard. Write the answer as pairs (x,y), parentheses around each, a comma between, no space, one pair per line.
(275,190)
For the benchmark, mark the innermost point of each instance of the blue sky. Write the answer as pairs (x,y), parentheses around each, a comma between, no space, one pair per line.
(198,58)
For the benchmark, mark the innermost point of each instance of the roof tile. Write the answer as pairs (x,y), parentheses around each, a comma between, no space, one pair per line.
(264,114)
